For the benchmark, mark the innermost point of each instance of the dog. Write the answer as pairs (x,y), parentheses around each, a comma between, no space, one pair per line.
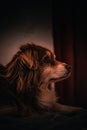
(31,75)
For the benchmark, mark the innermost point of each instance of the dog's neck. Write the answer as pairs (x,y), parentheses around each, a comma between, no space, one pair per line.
(46,97)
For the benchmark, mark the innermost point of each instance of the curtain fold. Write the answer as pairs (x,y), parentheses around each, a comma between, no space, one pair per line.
(69,34)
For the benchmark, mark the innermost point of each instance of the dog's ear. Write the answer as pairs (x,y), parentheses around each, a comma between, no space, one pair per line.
(22,68)
(27,63)
(29,60)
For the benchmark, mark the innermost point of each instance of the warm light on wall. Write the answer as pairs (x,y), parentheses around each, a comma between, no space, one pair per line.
(11,43)
(30,23)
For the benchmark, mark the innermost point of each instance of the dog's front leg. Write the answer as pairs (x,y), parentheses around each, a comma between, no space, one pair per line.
(65,108)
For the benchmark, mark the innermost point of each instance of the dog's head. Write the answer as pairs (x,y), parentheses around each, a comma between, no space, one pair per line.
(33,66)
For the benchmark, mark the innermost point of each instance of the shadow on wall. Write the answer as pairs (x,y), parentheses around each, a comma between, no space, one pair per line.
(24,26)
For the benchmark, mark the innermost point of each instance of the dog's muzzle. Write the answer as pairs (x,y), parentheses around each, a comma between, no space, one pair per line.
(68,67)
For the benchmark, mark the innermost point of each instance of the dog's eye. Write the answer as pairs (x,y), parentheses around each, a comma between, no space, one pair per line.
(46,59)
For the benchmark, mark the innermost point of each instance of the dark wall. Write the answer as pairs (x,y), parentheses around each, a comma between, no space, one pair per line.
(24,21)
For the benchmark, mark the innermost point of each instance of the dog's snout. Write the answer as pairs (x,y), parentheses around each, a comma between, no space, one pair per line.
(68,67)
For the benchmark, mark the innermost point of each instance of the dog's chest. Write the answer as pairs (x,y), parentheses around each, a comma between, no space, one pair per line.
(47,97)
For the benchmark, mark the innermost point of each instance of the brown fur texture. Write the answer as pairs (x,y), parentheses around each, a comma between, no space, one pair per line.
(31,74)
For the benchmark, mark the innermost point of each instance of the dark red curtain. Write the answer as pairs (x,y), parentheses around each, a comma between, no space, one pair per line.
(70,44)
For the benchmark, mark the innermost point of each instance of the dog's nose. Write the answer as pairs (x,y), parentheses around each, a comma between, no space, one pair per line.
(68,67)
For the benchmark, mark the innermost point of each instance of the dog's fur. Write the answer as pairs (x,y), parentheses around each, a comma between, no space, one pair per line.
(31,75)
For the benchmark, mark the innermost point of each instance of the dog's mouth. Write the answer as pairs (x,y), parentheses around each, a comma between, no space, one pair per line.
(65,76)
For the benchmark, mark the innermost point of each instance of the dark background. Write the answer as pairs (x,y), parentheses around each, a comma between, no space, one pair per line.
(22,22)
(70,40)
(69,33)
(16,13)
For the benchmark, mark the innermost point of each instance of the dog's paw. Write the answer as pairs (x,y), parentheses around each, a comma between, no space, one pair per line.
(66,108)
(71,108)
